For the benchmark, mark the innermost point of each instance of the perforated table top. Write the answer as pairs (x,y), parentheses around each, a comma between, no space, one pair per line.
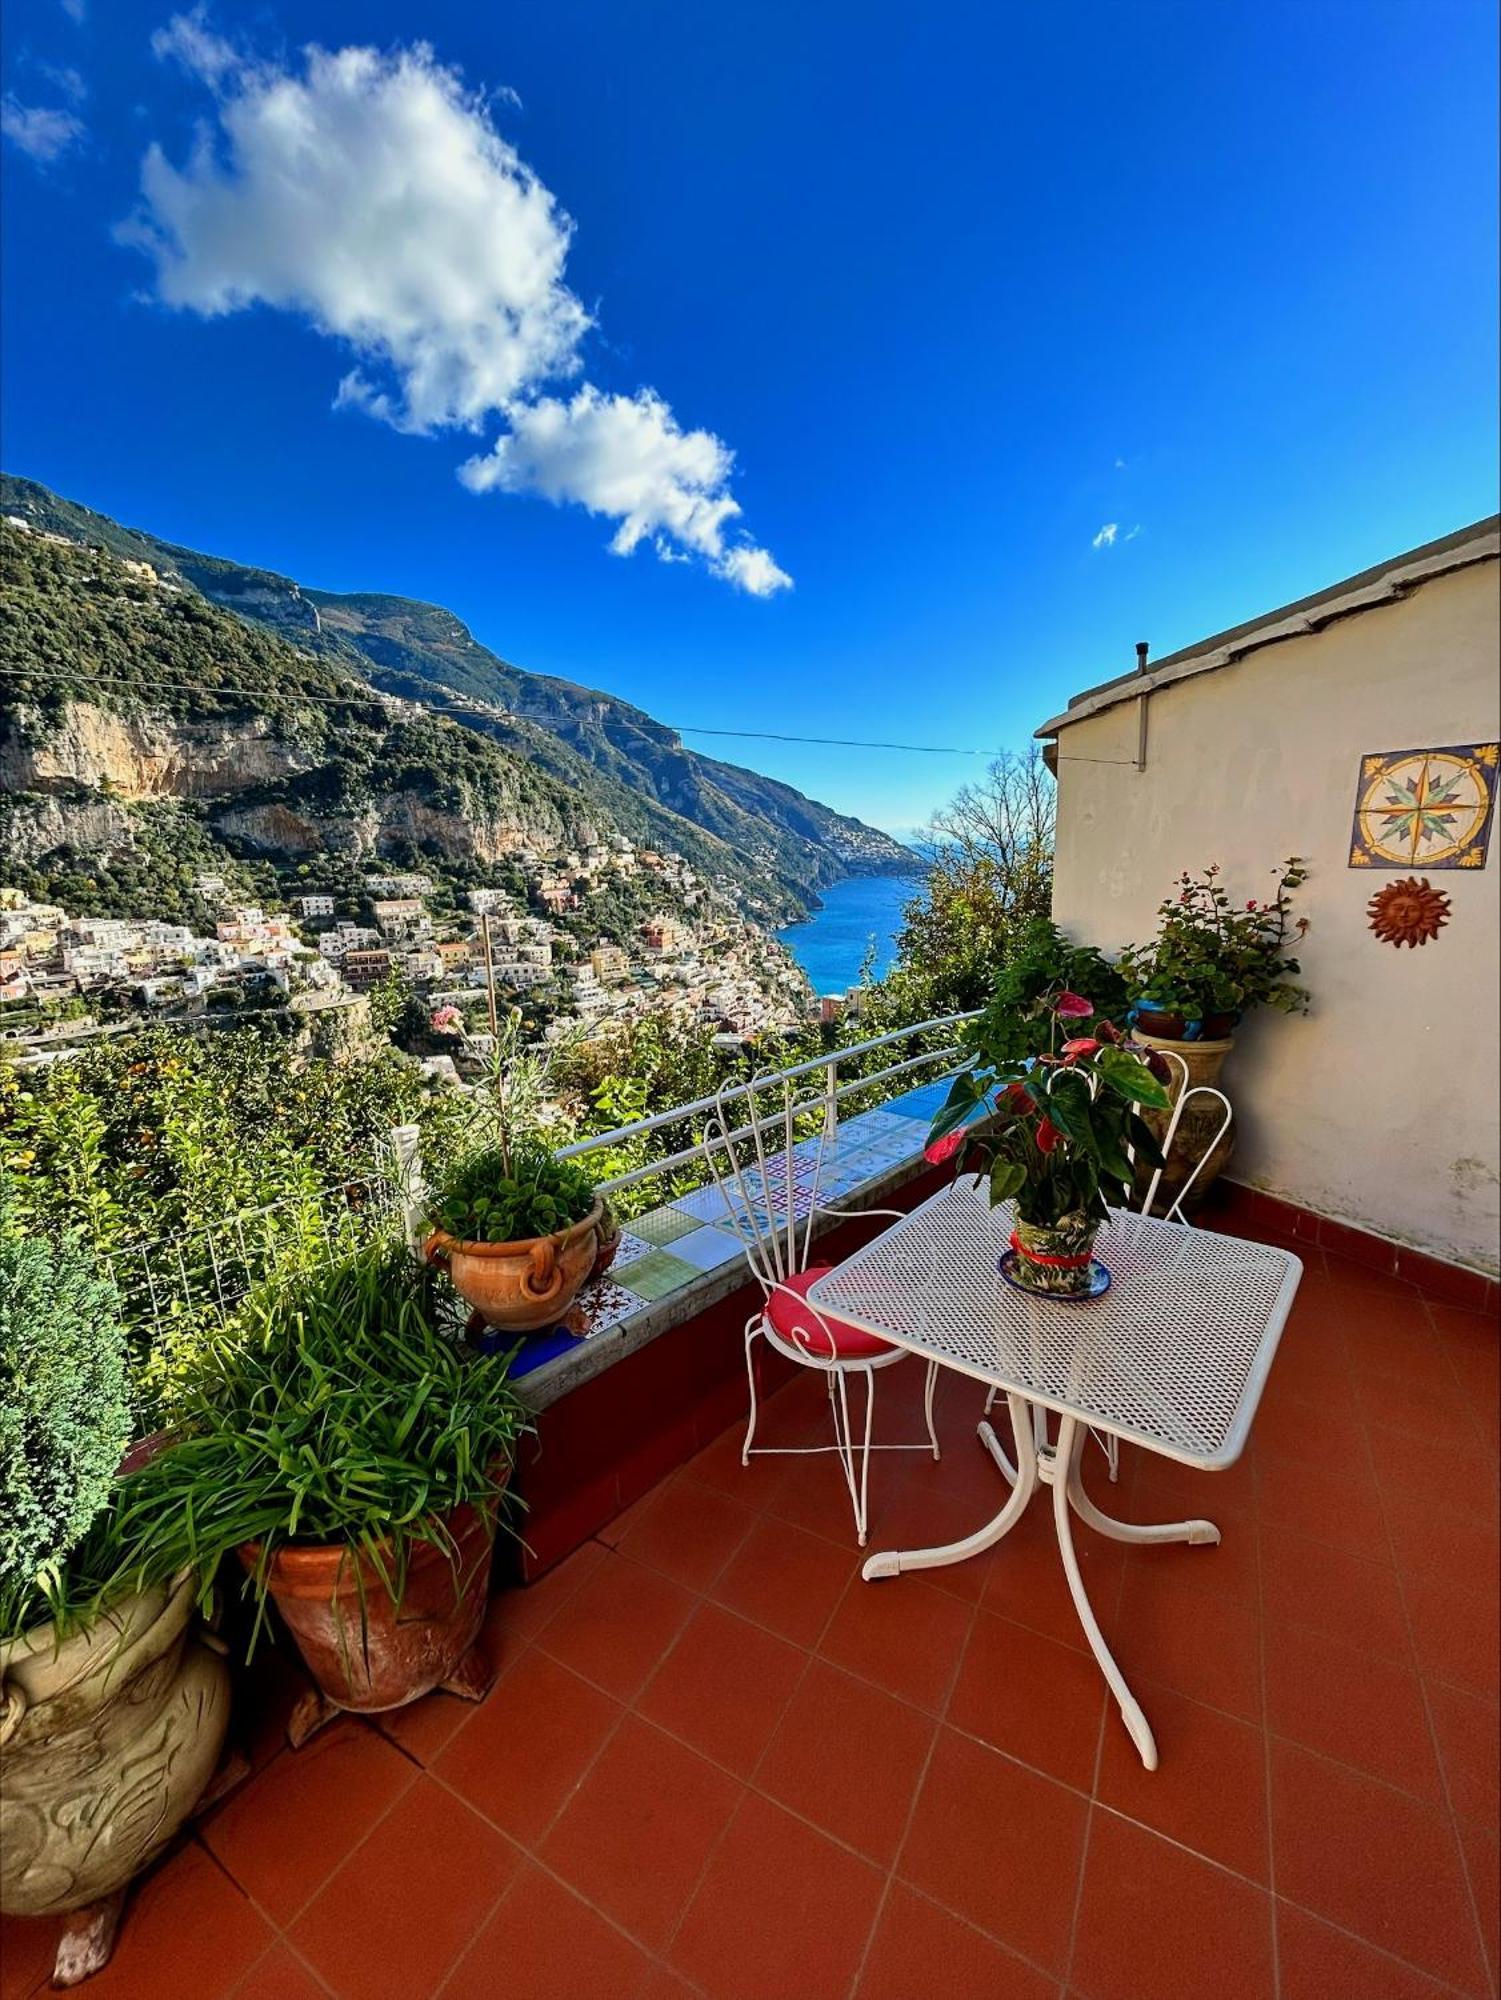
(1173,1356)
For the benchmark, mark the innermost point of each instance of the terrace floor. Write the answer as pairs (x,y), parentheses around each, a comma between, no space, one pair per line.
(718,1763)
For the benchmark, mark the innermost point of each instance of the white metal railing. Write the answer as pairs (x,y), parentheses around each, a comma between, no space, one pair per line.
(827,1099)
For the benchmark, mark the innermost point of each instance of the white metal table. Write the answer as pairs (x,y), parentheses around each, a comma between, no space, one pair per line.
(1172,1357)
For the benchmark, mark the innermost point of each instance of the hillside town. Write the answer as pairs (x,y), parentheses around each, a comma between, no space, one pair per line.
(66,977)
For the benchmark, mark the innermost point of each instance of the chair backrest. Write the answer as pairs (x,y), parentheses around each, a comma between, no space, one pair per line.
(768,1178)
(1185,1094)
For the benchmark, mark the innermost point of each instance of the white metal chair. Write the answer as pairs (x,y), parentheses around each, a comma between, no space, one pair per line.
(1107,1442)
(770,1188)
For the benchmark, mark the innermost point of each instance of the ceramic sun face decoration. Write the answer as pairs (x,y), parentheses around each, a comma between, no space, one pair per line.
(1409,911)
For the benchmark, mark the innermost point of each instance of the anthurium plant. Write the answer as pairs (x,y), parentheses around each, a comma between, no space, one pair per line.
(1212,955)
(1054,1132)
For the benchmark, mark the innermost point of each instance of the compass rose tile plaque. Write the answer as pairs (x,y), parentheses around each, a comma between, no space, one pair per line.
(1424,808)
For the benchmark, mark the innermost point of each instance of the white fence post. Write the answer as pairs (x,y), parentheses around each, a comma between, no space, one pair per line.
(411,1188)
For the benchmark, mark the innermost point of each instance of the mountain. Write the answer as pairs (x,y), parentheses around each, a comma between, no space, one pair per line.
(777,845)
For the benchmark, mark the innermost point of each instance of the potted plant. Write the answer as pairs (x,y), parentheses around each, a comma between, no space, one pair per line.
(113,1706)
(353,1456)
(1212,959)
(517,1229)
(1053,1134)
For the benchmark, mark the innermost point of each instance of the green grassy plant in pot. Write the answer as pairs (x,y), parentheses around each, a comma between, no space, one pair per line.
(113,1708)
(352,1455)
(1050,1134)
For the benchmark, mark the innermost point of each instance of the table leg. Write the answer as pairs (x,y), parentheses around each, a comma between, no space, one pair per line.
(1065,1478)
(1196,1532)
(1023,1478)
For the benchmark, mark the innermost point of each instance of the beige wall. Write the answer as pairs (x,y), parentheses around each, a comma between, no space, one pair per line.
(1380,1106)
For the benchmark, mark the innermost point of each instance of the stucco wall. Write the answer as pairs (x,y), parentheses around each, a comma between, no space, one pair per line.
(1380,1106)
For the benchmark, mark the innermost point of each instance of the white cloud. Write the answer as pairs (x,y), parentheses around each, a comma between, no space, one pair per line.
(372,194)
(67,79)
(1134,532)
(39,130)
(1105,539)
(74,9)
(628,458)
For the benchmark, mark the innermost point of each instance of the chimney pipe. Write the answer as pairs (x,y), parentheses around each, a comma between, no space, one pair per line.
(1141,709)
(1141,656)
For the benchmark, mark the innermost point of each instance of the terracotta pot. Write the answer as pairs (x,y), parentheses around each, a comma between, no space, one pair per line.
(1196,1129)
(1217,1027)
(107,1740)
(1053,1261)
(1149,1019)
(523,1285)
(381,1654)
(608,1244)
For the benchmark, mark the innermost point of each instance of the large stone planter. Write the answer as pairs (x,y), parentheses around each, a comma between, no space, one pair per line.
(521,1286)
(107,1741)
(1197,1128)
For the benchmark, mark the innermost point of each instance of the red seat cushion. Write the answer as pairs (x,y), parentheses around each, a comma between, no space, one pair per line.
(818,1334)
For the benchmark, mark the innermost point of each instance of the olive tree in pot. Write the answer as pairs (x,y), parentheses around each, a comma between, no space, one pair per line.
(344,1446)
(517,1229)
(113,1704)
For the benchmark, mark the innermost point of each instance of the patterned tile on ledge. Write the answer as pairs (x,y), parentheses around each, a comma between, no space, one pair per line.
(630,1247)
(598,1306)
(920,1103)
(662,1225)
(657,1275)
(705,1204)
(706,1249)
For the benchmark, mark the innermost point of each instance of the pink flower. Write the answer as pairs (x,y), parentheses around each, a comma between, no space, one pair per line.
(1081,1045)
(1072,1007)
(446,1020)
(939,1150)
(1251,904)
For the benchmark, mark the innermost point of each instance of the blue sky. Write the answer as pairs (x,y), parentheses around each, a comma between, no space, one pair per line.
(958,289)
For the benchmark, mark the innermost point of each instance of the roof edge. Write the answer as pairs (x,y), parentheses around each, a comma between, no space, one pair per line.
(1365,591)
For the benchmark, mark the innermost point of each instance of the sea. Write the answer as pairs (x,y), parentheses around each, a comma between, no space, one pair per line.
(831,945)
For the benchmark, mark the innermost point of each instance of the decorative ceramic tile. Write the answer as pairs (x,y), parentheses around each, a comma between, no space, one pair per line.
(662,1225)
(1424,808)
(599,1306)
(705,1204)
(654,1276)
(706,1249)
(924,1103)
(630,1247)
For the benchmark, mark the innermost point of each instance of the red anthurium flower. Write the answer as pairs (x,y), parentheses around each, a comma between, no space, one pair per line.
(939,1150)
(1049,1138)
(1081,1045)
(1109,1032)
(1072,1007)
(1014,1098)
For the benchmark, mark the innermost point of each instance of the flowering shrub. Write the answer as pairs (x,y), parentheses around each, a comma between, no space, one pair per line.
(1213,956)
(1052,1132)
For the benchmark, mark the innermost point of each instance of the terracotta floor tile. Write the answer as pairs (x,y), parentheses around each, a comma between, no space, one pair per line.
(1024,1579)
(1228,1568)
(902,1633)
(1026,1694)
(285,1832)
(919,1949)
(1337,1507)
(848,1756)
(1454,1629)
(718,1465)
(617,1625)
(723,1687)
(1468,1728)
(1373,1861)
(1209,1790)
(525,1749)
(280,1975)
(687,1531)
(780,1911)
(1197,1643)
(999,1845)
(1350,1706)
(410,1898)
(1208,1933)
(919,1513)
(521,1613)
(786,1580)
(1335,1591)
(543,1943)
(1479,1845)
(634,1837)
(188,1934)
(422,1728)
(28,1946)
(1317,1962)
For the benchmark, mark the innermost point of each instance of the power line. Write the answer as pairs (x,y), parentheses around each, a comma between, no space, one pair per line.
(493,712)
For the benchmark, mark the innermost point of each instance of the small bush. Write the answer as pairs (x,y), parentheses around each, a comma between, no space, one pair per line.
(480,1202)
(64,1413)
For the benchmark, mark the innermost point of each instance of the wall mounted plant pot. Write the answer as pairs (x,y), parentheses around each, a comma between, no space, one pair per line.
(1054,1262)
(1201,1118)
(377,1654)
(521,1286)
(108,1739)
(1150,1019)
